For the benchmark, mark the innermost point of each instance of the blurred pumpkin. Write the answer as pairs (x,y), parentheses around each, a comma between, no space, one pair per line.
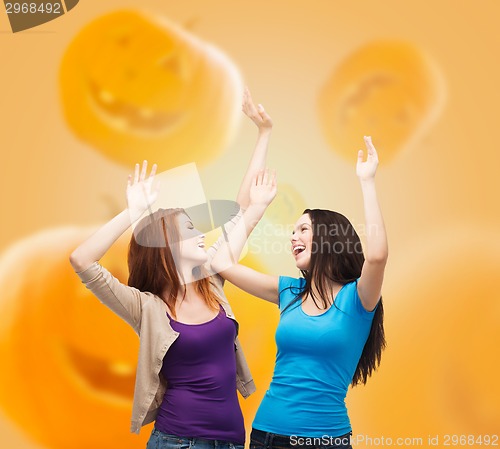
(286,207)
(69,363)
(133,83)
(390,89)
(437,374)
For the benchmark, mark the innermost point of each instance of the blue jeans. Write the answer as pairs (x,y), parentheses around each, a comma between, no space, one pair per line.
(160,440)
(267,440)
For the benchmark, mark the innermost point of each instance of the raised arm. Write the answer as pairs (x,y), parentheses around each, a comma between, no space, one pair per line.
(376,251)
(125,301)
(262,192)
(258,160)
(140,195)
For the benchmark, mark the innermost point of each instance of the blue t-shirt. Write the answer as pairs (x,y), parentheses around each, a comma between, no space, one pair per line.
(316,359)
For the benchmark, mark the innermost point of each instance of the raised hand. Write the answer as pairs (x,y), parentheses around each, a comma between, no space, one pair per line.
(142,192)
(263,188)
(257,114)
(367,169)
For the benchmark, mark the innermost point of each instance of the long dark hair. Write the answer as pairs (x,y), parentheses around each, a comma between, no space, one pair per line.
(153,256)
(337,256)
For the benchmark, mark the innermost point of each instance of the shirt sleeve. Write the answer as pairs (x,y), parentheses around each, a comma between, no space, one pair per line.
(125,301)
(288,289)
(360,310)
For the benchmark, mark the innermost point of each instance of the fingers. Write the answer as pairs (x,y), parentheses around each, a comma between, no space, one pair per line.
(245,99)
(366,169)
(263,114)
(249,109)
(257,114)
(260,177)
(248,106)
(369,146)
(136,174)
(153,172)
(140,174)
(144,170)
(273,178)
(265,177)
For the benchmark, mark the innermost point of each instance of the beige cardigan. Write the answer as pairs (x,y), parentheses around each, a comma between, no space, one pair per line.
(146,313)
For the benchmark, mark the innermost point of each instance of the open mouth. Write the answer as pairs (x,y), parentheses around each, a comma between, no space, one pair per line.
(201,245)
(132,118)
(298,249)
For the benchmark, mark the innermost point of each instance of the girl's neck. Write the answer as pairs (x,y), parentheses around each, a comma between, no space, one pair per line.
(332,288)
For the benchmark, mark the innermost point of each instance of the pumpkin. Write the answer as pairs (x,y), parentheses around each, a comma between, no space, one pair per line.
(287,207)
(133,83)
(390,89)
(68,362)
(438,373)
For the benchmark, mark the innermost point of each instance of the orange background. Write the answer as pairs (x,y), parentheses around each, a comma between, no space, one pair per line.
(439,196)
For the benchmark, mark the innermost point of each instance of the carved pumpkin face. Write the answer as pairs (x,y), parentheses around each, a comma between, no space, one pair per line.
(287,205)
(443,328)
(68,362)
(133,84)
(390,90)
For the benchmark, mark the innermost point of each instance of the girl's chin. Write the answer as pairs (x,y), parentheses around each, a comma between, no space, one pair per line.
(199,261)
(301,266)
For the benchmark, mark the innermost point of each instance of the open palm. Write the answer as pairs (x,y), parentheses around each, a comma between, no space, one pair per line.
(257,114)
(142,192)
(263,188)
(367,169)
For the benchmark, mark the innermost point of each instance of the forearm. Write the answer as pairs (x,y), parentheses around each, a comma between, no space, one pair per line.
(257,162)
(231,249)
(376,237)
(92,249)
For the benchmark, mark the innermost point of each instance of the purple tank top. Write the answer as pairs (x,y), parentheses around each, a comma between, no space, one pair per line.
(200,369)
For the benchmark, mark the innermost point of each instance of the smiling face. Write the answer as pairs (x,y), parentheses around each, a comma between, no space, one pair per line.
(302,239)
(192,243)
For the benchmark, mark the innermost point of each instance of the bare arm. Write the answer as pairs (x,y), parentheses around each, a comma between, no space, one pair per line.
(258,160)
(263,191)
(140,195)
(125,301)
(92,249)
(255,283)
(376,253)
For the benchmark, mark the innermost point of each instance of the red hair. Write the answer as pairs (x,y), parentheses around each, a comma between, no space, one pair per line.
(153,256)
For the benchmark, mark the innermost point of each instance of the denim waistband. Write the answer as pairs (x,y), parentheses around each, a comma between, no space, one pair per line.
(198,440)
(269,439)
